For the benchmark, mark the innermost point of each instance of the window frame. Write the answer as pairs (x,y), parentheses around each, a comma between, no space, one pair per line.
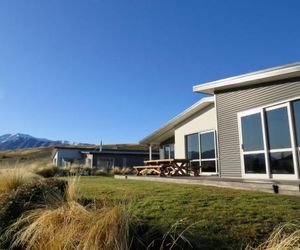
(169,151)
(200,160)
(267,151)
(263,151)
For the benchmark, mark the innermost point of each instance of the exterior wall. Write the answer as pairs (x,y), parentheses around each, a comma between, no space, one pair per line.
(123,160)
(202,121)
(67,154)
(89,160)
(54,161)
(230,103)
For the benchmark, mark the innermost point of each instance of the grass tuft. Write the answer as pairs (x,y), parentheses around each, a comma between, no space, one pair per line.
(284,237)
(70,225)
(46,171)
(10,180)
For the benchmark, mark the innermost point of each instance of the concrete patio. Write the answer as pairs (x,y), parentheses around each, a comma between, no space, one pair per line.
(268,186)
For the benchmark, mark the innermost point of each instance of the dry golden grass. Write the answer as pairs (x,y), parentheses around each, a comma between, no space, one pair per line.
(47,170)
(69,225)
(25,157)
(11,179)
(172,237)
(284,237)
(116,170)
(126,170)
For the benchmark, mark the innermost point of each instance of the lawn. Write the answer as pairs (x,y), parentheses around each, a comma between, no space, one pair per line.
(223,218)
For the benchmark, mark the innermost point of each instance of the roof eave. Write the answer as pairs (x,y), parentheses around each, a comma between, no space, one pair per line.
(273,74)
(153,138)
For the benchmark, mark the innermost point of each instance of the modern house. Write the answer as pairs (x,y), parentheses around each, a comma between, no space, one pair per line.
(248,128)
(191,135)
(106,156)
(67,155)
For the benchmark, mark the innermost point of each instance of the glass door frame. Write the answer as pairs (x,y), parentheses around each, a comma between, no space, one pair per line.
(294,149)
(200,160)
(208,159)
(263,151)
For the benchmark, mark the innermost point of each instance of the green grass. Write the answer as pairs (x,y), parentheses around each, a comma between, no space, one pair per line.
(224,218)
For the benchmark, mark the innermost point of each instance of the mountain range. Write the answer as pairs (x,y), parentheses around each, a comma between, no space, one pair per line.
(16,141)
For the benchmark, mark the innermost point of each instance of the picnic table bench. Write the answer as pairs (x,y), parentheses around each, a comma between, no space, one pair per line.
(141,170)
(164,167)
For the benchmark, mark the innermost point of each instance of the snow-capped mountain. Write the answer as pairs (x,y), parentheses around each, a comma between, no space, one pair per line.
(15,141)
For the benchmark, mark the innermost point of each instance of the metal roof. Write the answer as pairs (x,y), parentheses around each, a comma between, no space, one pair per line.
(262,76)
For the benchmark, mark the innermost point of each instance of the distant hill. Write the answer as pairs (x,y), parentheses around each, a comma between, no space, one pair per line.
(18,141)
(25,157)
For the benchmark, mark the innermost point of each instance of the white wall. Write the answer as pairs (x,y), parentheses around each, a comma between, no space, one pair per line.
(67,154)
(203,121)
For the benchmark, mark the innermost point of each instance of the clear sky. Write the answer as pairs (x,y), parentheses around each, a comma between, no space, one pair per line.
(91,70)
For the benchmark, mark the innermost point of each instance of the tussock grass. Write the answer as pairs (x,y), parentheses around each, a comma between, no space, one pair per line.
(48,170)
(126,170)
(11,179)
(70,225)
(284,237)
(116,170)
(25,157)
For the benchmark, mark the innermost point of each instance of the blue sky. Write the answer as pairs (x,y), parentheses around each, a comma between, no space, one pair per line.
(91,70)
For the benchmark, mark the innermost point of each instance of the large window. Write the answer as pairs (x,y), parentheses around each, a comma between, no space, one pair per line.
(201,150)
(192,146)
(252,144)
(270,140)
(279,138)
(168,151)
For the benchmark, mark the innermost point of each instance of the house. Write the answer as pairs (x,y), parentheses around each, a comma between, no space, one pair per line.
(191,135)
(106,156)
(250,129)
(67,155)
(258,118)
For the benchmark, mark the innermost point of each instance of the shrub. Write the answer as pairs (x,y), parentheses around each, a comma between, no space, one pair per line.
(47,171)
(116,170)
(100,172)
(79,170)
(126,171)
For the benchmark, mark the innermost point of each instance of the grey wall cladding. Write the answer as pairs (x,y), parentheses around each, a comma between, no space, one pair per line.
(229,103)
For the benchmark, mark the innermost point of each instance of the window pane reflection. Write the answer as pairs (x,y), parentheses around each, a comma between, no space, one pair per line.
(255,164)
(252,133)
(282,163)
(192,146)
(278,128)
(207,145)
(208,166)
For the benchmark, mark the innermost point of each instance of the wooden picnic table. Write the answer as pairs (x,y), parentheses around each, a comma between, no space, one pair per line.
(165,166)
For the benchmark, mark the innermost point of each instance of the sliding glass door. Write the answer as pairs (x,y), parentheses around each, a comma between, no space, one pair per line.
(201,150)
(253,145)
(279,141)
(269,139)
